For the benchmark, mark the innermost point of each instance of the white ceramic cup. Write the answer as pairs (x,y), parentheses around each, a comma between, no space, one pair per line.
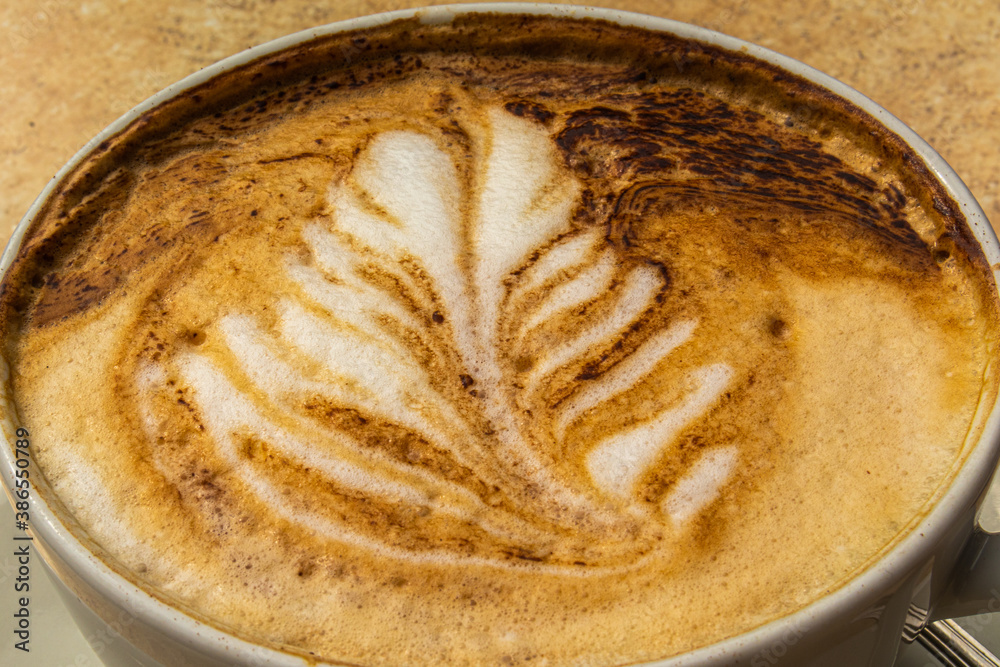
(946,566)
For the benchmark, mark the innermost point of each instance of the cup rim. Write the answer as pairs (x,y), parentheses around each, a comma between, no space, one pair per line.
(970,481)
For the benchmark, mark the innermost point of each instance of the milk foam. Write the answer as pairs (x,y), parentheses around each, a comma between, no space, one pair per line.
(702,483)
(227,413)
(617,462)
(574,293)
(335,341)
(559,259)
(284,386)
(627,373)
(634,296)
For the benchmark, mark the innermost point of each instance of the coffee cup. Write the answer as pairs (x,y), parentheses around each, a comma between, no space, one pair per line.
(893,597)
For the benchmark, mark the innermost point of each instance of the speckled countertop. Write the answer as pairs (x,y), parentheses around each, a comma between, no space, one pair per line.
(70,67)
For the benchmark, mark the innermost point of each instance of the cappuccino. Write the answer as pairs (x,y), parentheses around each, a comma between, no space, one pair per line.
(514,340)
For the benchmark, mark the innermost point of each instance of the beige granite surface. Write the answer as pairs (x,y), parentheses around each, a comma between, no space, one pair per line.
(70,67)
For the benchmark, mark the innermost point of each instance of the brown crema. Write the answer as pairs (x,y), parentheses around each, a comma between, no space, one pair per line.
(514,340)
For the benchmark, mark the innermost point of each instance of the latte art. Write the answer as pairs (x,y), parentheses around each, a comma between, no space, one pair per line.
(461,355)
(421,315)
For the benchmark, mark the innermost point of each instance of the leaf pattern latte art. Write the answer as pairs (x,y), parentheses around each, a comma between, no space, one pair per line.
(406,402)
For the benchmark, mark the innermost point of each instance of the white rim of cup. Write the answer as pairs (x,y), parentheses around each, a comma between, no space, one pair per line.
(969,484)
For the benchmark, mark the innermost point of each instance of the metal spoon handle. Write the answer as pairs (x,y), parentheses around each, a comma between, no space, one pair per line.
(955,647)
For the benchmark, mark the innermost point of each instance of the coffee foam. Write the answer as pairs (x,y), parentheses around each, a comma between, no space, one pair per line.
(702,484)
(545,365)
(616,463)
(626,374)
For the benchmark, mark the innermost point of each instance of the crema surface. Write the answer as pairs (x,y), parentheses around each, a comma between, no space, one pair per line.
(510,341)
